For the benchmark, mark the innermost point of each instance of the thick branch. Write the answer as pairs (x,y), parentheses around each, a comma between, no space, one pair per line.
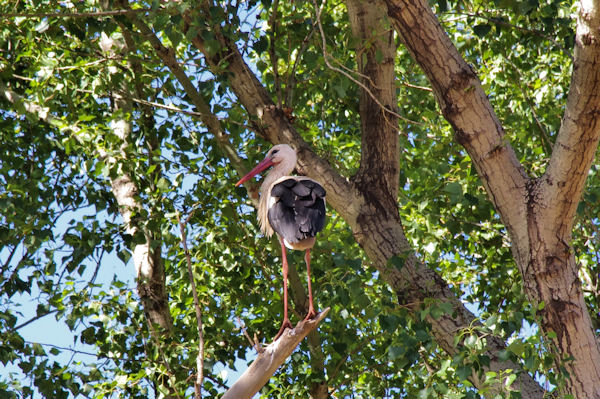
(214,126)
(210,120)
(272,123)
(538,213)
(147,258)
(579,133)
(550,273)
(269,360)
(376,53)
(125,192)
(465,105)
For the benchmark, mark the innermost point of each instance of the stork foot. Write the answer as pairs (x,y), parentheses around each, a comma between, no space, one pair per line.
(311,314)
(286,324)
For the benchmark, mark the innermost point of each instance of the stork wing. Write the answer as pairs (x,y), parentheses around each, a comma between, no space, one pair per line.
(299,211)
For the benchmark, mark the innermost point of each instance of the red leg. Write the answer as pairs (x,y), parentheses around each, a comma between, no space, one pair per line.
(286,321)
(311,309)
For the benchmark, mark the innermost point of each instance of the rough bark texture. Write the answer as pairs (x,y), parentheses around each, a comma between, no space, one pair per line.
(379,166)
(147,258)
(538,213)
(376,228)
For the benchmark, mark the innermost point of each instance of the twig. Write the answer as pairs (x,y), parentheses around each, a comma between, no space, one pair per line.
(167,107)
(412,86)
(9,259)
(200,357)
(291,80)
(501,22)
(210,120)
(154,336)
(273,23)
(254,342)
(33,319)
(546,143)
(344,359)
(326,56)
(108,13)
(74,351)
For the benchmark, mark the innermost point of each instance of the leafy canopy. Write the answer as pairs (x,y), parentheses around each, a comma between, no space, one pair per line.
(61,228)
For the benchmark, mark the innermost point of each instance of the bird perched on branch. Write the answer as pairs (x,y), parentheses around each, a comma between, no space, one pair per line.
(293,207)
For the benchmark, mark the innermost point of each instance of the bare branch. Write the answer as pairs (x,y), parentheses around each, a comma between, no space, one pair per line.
(273,24)
(327,56)
(62,348)
(273,356)
(25,323)
(578,137)
(465,105)
(200,357)
(252,342)
(94,14)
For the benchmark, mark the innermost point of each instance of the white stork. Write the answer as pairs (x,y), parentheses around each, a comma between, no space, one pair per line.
(293,207)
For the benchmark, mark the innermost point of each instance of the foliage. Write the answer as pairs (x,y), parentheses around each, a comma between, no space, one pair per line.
(60,225)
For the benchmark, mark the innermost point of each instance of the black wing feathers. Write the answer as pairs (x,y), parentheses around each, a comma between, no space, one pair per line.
(299,212)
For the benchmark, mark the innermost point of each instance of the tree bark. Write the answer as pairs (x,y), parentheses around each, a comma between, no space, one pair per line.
(538,213)
(147,257)
(270,358)
(376,53)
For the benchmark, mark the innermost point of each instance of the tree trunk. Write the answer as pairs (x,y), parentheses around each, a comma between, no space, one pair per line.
(146,261)
(378,104)
(147,257)
(551,279)
(538,213)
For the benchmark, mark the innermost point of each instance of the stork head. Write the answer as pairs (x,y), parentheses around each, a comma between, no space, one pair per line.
(282,156)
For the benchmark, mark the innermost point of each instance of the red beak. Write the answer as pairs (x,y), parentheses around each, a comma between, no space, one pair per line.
(264,164)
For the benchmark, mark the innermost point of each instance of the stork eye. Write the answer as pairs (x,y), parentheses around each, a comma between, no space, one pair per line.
(274,152)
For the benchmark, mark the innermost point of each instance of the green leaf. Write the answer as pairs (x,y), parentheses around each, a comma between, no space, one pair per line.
(509,380)
(340,90)
(163,184)
(389,323)
(454,189)
(397,261)
(38,350)
(394,352)
(379,56)
(464,372)
(124,255)
(470,340)
(42,26)
(482,29)
(517,347)
(261,45)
